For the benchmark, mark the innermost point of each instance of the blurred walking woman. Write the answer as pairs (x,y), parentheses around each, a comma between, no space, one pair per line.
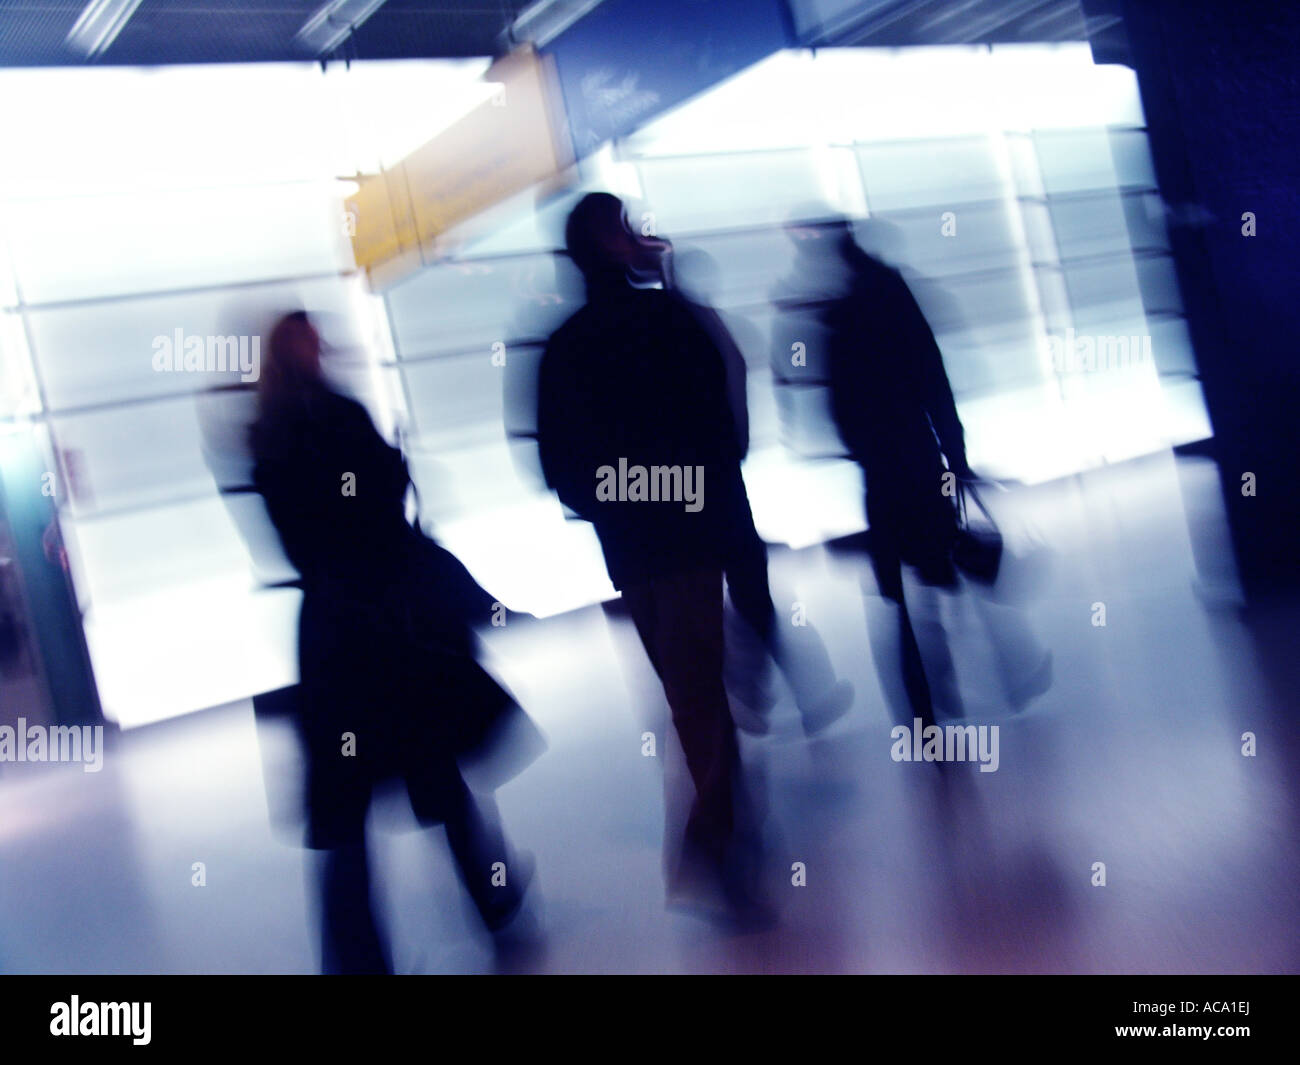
(389,687)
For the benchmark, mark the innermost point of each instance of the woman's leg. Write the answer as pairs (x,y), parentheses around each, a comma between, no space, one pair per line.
(350,940)
(495,877)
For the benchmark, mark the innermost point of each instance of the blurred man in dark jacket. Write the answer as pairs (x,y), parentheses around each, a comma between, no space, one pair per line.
(636,435)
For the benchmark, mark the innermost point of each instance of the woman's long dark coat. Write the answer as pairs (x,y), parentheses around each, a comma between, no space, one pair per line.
(385,645)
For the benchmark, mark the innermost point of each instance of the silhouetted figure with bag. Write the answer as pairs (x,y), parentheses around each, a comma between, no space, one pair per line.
(894,409)
(389,686)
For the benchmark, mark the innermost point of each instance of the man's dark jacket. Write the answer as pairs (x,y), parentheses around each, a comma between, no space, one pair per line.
(634,376)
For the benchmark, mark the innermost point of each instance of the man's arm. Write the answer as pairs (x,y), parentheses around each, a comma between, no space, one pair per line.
(733,361)
(559,430)
(936,391)
(707,387)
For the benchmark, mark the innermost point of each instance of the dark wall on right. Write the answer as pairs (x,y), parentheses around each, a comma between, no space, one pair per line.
(1219,85)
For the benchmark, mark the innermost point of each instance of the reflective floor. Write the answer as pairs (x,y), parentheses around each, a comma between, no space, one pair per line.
(1133,758)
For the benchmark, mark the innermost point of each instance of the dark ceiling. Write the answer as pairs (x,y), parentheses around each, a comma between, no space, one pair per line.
(34,32)
(900,23)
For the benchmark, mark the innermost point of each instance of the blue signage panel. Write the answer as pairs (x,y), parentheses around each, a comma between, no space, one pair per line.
(628,60)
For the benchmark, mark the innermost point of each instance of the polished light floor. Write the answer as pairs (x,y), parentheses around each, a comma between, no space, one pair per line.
(1132,759)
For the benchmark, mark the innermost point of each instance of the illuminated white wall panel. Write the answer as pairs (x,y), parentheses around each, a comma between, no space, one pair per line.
(205,199)
(1039,154)
(136,202)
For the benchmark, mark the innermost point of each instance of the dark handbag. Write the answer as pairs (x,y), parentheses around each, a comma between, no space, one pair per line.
(491,735)
(445,580)
(977,550)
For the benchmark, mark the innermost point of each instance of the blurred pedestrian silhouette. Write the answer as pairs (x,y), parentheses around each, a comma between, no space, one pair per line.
(389,687)
(756,636)
(632,381)
(226,410)
(894,410)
